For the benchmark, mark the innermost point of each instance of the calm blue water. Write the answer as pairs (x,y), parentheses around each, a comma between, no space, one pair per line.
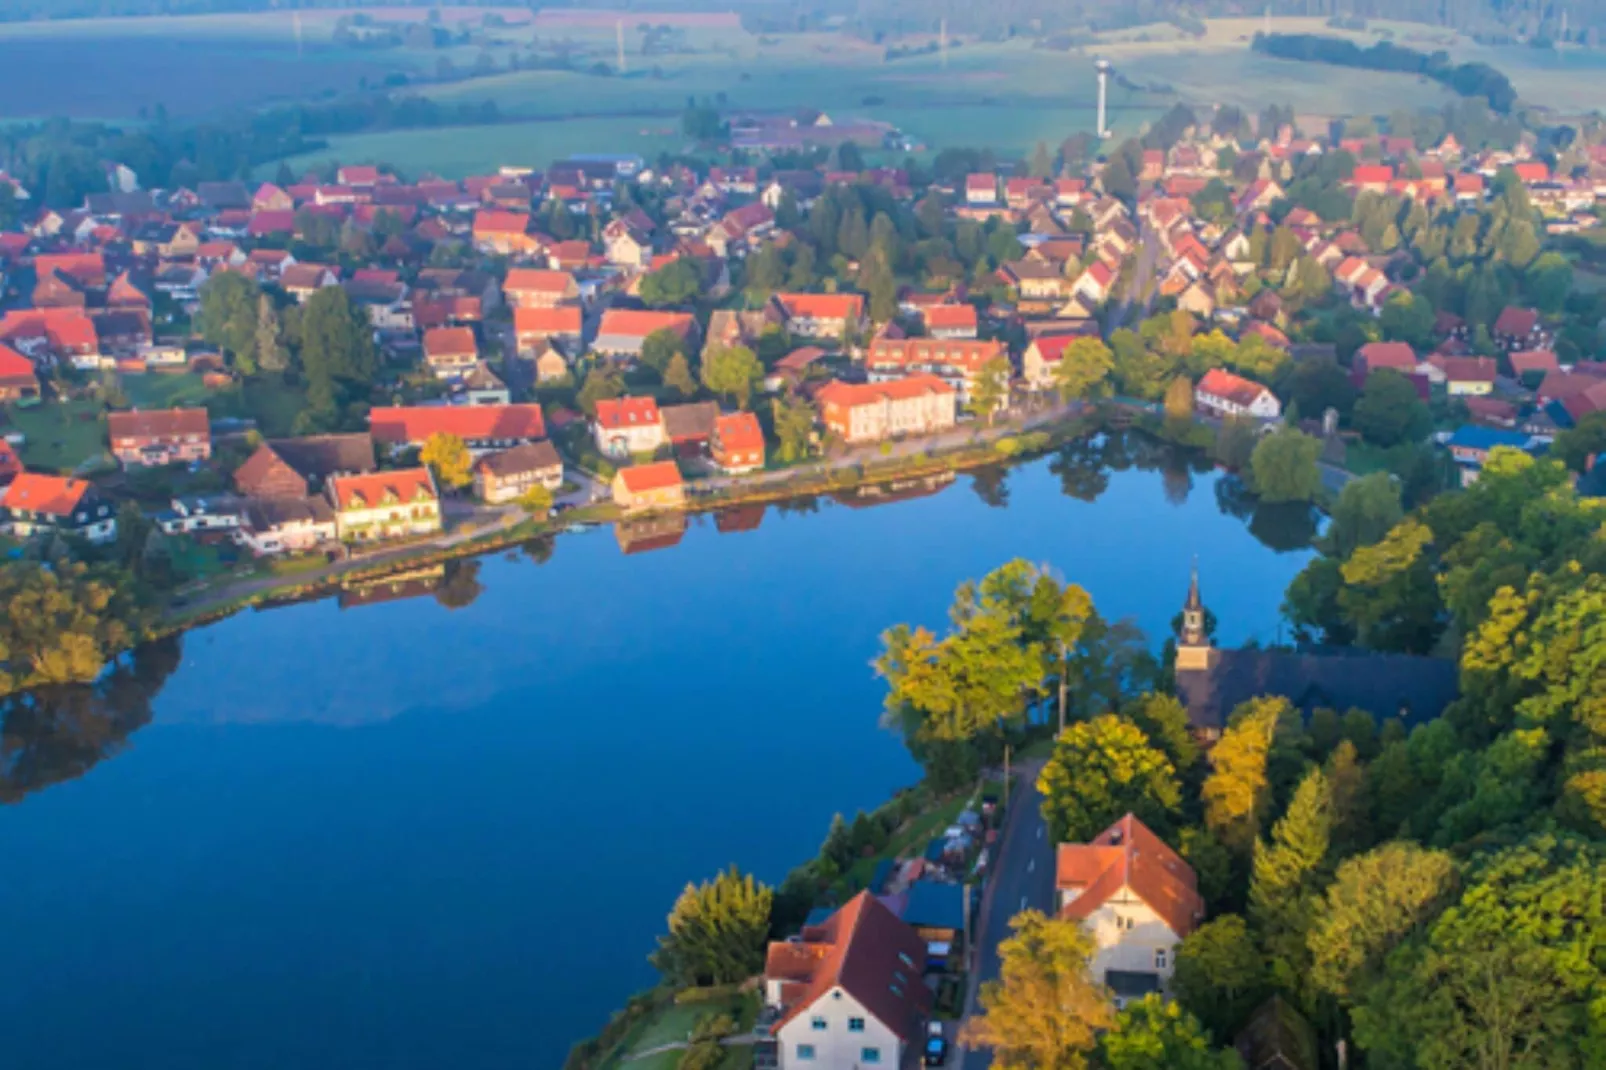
(404,836)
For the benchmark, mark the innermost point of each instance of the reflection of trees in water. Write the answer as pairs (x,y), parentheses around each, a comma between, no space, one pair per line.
(461,584)
(1284,526)
(54,734)
(539,549)
(991,485)
(809,503)
(1083,472)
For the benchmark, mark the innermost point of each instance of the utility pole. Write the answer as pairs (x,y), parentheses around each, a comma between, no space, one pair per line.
(1064,662)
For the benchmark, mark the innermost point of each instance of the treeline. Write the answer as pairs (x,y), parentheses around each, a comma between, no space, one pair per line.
(1464,79)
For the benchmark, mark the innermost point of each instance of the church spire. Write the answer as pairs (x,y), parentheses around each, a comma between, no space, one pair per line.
(1193,588)
(1194,633)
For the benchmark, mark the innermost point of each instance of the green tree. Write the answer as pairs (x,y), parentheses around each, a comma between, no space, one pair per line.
(600,385)
(1179,400)
(733,371)
(63,622)
(449,459)
(1084,369)
(676,283)
(718,931)
(1408,318)
(228,313)
(1367,509)
(1237,793)
(537,501)
(1165,721)
(1100,770)
(1578,444)
(270,352)
(965,685)
(1287,878)
(1234,446)
(1375,902)
(794,425)
(766,272)
(660,347)
(1044,1012)
(989,392)
(678,377)
(337,351)
(1042,164)
(1284,466)
(1389,411)
(1156,1034)
(1220,974)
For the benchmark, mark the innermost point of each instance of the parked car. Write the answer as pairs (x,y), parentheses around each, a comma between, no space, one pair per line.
(936,1044)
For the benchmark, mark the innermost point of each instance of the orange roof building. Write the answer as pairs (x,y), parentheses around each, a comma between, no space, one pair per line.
(483,428)
(37,504)
(919,404)
(156,437)
(1136,896)
(1225,394)
(623,330)
(649,486)
(737,444)
(385,505)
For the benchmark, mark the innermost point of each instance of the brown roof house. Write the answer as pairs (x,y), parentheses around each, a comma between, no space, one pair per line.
(1137,897)
(849,991)
(156,437)
(506,476)
(265,474)
(318,457)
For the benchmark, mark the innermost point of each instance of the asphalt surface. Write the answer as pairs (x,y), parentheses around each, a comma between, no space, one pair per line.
(1022,879)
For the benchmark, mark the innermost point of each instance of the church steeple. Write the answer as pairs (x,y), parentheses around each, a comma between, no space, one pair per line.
(1193,645)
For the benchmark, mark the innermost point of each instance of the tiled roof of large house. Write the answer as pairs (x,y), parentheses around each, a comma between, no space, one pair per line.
(529,457)
(376,488)
(1129,855)
(1466,369)
(320,456)
(537,280)
(951,317)
(87,269)
(615,413)
(488,222)
(1515,321)
(564,319)
(471,423)
(53,495)
(739,431)
(641,478)
(1534,360)
(639,323)
(968,353)
(691,422)
(1397,355)
(14,365)
(822,306)
(157,423)
(849,395)
(865,950)
(1220,383)
(449,341)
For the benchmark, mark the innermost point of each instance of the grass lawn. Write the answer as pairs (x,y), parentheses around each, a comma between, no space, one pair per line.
(1363,458)
(154,390)
(674,1022)
(912,836)
(60,436)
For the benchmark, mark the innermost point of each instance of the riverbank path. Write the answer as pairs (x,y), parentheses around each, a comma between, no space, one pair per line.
(1023,879)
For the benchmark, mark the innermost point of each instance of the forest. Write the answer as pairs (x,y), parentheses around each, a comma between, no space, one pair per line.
(1465,79)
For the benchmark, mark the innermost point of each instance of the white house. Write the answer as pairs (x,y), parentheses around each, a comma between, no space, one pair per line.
(628,426)
(1225,394)
(1137,898)
(849,992)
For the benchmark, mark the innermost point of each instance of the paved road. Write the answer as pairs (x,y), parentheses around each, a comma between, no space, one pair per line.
(1022,879)
(1148,251)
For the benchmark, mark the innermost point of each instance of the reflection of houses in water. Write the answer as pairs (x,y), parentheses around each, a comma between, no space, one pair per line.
(640,534)
(898,490)
(1211,682)
(739,518)
(392,588)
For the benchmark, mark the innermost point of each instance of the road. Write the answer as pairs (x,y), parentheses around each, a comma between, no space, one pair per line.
(1148,251)
(1023,878)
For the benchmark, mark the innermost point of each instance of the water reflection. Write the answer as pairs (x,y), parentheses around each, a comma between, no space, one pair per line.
(640,535)
(55,734)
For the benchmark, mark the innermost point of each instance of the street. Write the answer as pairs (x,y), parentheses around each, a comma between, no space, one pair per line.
(1023,878)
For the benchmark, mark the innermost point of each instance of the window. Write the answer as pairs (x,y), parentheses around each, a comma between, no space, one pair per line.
(906,960)
(869,1055)
(817,1024)
(805,1053)
(855,1025)
(1160,957)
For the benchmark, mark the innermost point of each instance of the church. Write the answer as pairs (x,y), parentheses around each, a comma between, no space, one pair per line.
(1212,682)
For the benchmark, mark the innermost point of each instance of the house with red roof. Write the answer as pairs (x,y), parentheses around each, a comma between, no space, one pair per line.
(1397,356)
(955,361)
(53,334)
(266,224)
(981,189)
(1519,328)
(623,330)
(1533,362)
(849,991)
(951,321)
(1466,376)
(641,487)
(737,444)
(385,505)
(1224,394)
(1137,898)
(450,351)
(819,315)
(919,404)
(17,377)
(504,233)
(539,288)
(1094,283)
(36,504)
(151,438)
(483,428)
(1531,172)
(533,327)
(1371,178)
(626,427)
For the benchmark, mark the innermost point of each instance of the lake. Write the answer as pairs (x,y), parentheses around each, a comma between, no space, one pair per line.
(379,832)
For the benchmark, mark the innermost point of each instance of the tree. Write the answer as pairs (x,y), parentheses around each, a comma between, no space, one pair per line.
(966,684)
(228,314)
(660,347)
(990,390)
(1084,369)
(599,385)
(449,458)
(1578,444)
(801,277)
(676,283)
(1237,792)
(337,351)
(1220,975)
(678,377)
(794,424)
(1235,442)
(1042,164)
(733,371)
(270,353)
(1179,400)
(1287,878)
(63,622)
(1408,318)
(537,501)
(1375,902)
(1156,1034)
(1389,412)
(766,272)
(717,932)
(1165,721)
(1044,1012)
(1367,509)
(1100,770)
(1284,466)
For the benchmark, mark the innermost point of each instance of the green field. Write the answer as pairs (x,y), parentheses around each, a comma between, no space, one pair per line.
(157,390)
(60,436)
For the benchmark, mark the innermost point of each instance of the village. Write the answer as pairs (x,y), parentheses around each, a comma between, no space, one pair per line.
(499,365)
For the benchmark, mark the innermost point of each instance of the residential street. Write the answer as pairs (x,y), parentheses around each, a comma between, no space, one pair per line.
(1022,878)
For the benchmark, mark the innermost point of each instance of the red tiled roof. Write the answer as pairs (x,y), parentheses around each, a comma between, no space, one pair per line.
(641,478)
(1466,369)
(1129,855)
(968,353)
(1534,360)
(66,328)
(1220,383)
(864,949)
(980,183)
(487,222)
(1516,322)
(395,425)
(278,221)
(739,431)
(635,323)
(55,495)
(947,317)
(537,280)
(14,365)
(367,491)
(87,268)
(449,341)
(565,319)
(1397,355)
(614,413)
(1532,171)
(850,395)
(822,306)
(157,423)
(1371,174)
